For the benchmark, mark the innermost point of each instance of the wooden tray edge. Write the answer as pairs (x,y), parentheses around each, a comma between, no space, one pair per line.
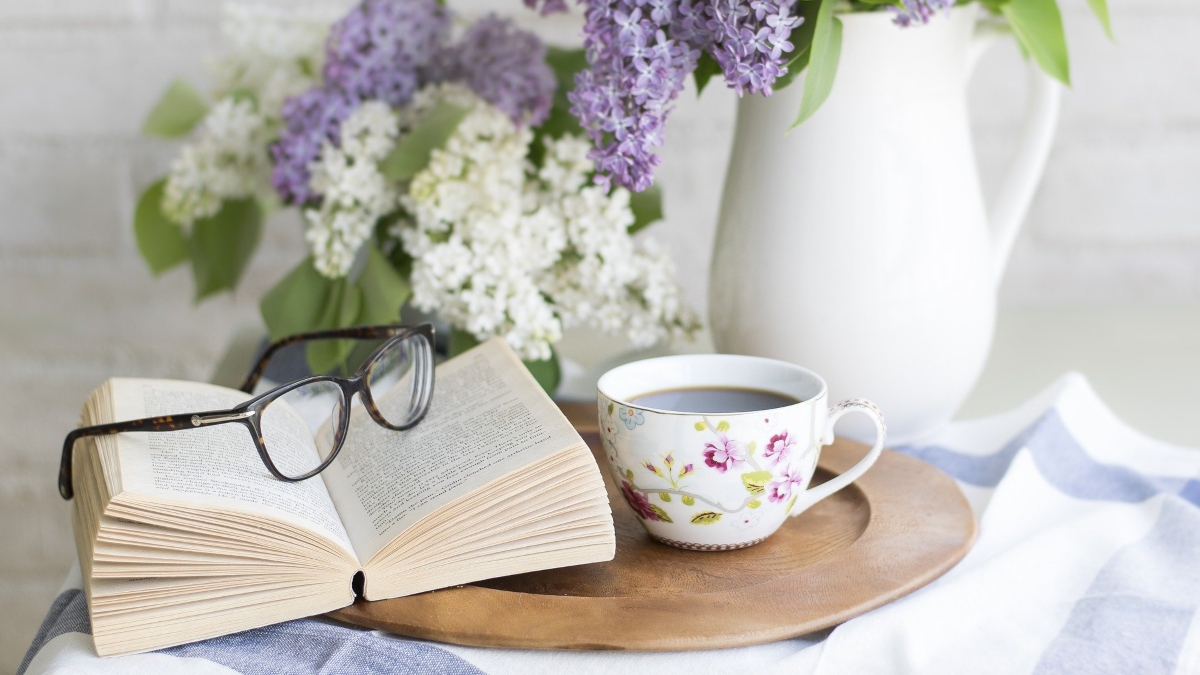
(432,623)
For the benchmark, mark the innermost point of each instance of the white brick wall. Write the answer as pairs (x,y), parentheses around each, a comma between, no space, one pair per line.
(1118,217)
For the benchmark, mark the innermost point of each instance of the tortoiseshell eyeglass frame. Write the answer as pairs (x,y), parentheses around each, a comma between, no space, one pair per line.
(250,412)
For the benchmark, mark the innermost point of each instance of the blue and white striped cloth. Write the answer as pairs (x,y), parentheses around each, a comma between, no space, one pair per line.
(1088,561)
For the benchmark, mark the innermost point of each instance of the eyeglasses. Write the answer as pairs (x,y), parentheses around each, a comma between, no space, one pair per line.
(395,385)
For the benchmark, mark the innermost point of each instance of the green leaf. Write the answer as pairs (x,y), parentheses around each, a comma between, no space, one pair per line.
(754,503)
(756,481)
(310,69)
(706,68)
(1100,9)
(402,261)
(565,63)
(795,65)
(384,291)
(790,504)
(802,39)
(307,300)
(662,515)
(722,426)
(413,150)
(629,474)
(751,447)
(342,306)
(295,304)
(700,426)
(664,496)
(461,341)
(269,204)
(610,408)
(706,518)
(1039,29)
(160,241)
(560,122)
(221,246)
(547,373)
(688,500)
(646,206)
(178,112)
(244,94)
(822,60)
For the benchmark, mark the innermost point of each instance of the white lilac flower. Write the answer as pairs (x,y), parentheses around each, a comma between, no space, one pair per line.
(275,52)
(478,240)
(499,251)
(228,160)
(355,194)
(609,282)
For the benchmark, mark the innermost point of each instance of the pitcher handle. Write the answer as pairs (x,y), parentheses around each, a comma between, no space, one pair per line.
(1032,149)
(813,495)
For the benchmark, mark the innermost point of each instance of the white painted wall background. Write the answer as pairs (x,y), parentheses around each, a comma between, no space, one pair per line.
(1117,219)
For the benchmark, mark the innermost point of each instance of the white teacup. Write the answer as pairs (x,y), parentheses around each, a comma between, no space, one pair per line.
(721,481)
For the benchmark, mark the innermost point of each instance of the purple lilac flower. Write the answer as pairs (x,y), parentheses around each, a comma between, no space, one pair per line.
(548,6)
(504,65)
(749,39)
(623,99)
(387,49)
(918,11)
(309,120)
(376,50)
(640,52)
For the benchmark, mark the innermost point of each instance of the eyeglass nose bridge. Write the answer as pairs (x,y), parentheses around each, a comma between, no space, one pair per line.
(368,402)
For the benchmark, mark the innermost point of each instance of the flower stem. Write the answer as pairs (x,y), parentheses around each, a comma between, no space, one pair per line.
(681,493)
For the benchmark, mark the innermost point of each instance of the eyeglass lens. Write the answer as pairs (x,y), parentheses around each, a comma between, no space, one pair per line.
(291,421)
(397,379)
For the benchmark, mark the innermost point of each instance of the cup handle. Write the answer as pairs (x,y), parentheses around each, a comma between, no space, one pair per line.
(814,495)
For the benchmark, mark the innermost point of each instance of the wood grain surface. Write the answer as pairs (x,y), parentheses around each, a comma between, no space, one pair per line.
(900,526)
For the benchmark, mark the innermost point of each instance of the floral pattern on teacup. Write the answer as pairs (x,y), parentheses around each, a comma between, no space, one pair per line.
(724,453)
(641,505)
(781,488)
(764,458)
(745,520)
(632,417)
(668,461)
(609,428)
(779,447)
(769,477)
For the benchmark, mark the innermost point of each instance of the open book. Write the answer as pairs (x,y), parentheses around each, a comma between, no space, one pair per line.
(184,535)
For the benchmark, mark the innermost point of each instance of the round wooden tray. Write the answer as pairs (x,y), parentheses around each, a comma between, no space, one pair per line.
(900,526)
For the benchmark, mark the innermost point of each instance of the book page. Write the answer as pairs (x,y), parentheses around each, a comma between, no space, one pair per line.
(218,465)
(488,417)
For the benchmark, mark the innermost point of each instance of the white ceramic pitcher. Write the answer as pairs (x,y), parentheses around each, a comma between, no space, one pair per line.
(858,244)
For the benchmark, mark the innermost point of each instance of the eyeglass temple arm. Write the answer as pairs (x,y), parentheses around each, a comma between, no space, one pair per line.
(163,423)
(354,333)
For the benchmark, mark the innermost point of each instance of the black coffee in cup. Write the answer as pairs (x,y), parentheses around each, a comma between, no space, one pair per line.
(713,400)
